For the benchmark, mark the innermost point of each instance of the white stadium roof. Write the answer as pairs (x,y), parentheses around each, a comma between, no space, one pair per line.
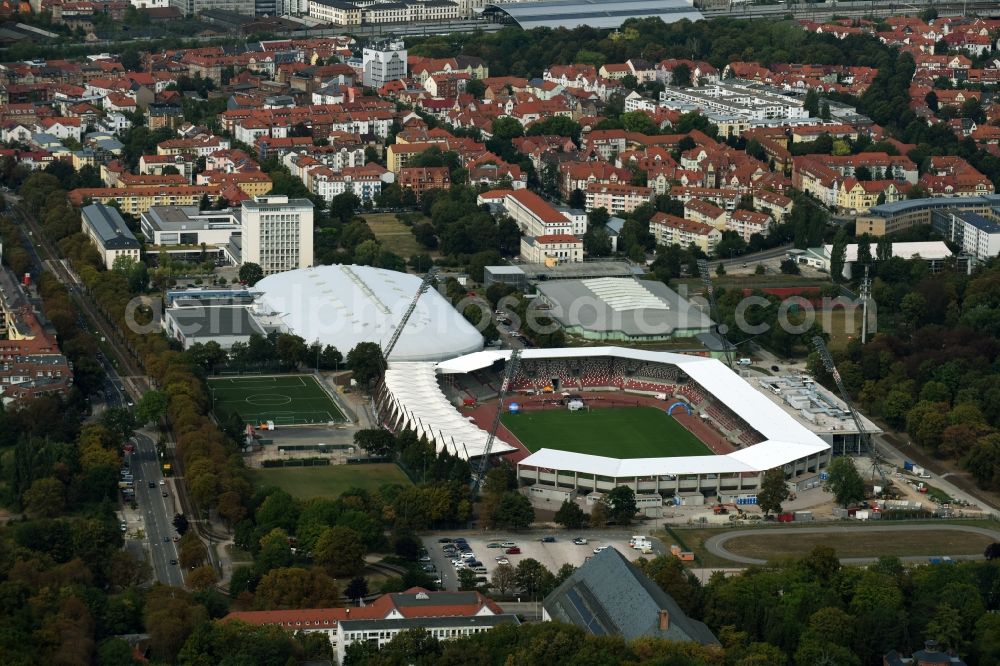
(786,439)
(416,402)
(343,305)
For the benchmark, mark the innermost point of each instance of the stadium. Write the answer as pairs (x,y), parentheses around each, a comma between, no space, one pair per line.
(590,419)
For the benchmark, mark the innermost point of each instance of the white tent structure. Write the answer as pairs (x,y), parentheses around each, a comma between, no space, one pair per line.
(343,305)
(413,399)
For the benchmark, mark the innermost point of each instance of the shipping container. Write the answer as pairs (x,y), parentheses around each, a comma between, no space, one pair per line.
(786,517)
(908,465)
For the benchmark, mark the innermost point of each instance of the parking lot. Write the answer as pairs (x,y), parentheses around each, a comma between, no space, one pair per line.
(552,554)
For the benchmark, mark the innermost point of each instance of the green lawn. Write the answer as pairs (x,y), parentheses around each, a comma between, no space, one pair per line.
(634,432)
(396,236)
(328,480)
(286,400)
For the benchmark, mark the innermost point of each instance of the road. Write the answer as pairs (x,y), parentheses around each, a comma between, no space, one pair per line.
(157,512)
(717,544)
(752,258)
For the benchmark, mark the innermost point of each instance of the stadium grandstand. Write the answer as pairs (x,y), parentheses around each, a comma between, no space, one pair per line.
(622,309)
(659,422)
(571,14)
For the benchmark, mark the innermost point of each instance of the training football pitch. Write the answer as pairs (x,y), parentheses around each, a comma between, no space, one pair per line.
(633,432)
(286,400)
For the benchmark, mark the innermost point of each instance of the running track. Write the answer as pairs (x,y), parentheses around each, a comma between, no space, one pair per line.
(717,544)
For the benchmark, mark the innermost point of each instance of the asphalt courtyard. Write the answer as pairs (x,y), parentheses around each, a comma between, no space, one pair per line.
(717,544)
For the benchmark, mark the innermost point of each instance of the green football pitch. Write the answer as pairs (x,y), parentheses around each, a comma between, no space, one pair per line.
(286,400)
(632,432)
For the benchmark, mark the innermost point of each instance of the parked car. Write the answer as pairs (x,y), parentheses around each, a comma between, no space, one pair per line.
(425,558)
(508,544)
(548,539)
(493,545)
(513,551)
(600,549)
(444,540)
(503,560)
(580,541)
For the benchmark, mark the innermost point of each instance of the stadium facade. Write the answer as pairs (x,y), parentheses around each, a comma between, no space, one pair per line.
(763,435)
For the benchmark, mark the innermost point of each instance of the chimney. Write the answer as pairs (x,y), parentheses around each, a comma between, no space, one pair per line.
(664,620)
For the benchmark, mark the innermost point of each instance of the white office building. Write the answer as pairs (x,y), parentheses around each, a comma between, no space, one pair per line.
(277,233)
(383,63)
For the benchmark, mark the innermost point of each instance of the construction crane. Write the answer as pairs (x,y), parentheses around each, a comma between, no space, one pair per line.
(513,363)
(720,329)
(863,435)
(425,284)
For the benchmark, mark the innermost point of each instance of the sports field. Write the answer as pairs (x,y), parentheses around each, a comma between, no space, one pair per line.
(328,480)
(633,432)
(286,400)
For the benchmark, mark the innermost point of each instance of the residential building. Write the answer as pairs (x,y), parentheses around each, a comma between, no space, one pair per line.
(421,179)
(277,233)
(858,196)
(31,363)
(383,63)
(618,198)
(777,205)
(137,200)
(673,230)
(732,98)
(747,223)
(610,596)
(109,234)
(705,213)
(445,615)
(551,249)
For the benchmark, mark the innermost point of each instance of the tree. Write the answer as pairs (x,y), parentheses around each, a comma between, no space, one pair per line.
(789,267)
(46,498)
(599,514)
(824,110)
(366,362)
(844,481)
(466,579)
(376,441)
(992,551)
(681,76)
(811,103)
(503,579)
(357,588)
(513,511)
(506,128)
(577,199)
(251,273)
(339,550)
(571,516)
(838,255)
(621,505)
(773,491)
(180,523)
(533,579)
(201,578)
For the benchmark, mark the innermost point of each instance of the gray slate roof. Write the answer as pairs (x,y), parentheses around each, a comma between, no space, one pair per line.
(609,596)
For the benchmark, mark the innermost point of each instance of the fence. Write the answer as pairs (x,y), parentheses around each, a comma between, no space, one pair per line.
(296,462)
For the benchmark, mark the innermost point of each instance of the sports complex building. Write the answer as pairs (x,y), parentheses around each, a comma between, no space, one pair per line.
(590,419)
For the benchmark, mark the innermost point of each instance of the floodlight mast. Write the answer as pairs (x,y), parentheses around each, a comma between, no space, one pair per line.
(863,435)
(513,363)
(425,284)
(706,279)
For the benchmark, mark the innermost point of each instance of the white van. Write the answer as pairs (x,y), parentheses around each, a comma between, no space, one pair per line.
(743,361)
(660,396)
